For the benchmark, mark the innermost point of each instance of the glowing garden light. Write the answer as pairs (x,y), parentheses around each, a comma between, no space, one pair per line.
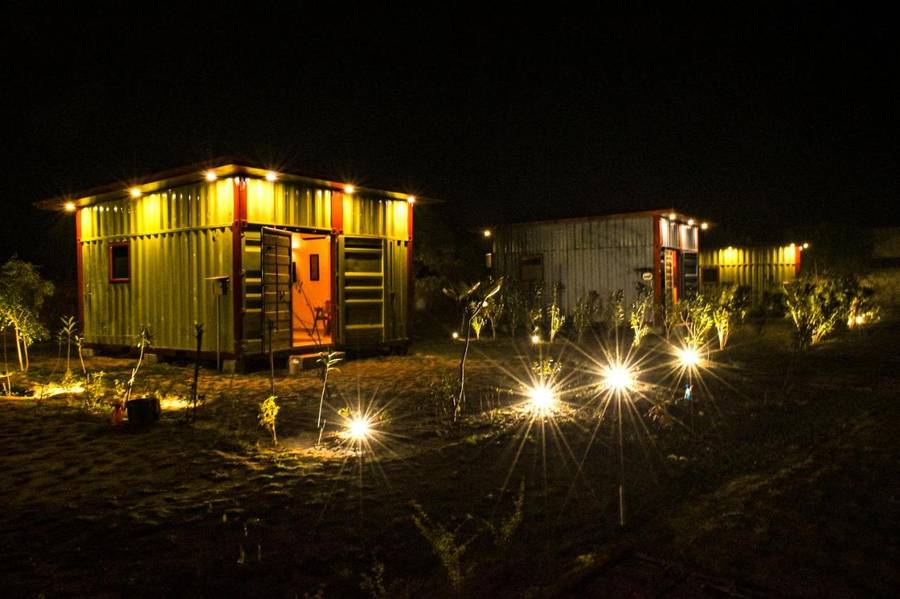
(454,335)
(535,339)
(689,357)
(358,428)
(704,226)
(541,400)
(618,377)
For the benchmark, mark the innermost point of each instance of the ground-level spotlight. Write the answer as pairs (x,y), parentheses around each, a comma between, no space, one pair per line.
(688,356)
(542,400)
(618,377)
(358,428)
(535,339)
(454,335)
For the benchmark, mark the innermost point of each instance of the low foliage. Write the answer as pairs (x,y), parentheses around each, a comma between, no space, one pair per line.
(268,416)
(614,310)
(641,318)
(858,303)
(586,310)
(814,307)
(504,531)
(730,305)
(444,542)
(516,308)
(93,400)
(554,314)
(493,311)
(696,317)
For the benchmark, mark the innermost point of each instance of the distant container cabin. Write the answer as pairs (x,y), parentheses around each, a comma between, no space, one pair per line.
(256,256)
(759,269)
(656,248)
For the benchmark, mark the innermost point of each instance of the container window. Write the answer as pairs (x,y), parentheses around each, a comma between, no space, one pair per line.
(314,267)
(710,274)
(119,263)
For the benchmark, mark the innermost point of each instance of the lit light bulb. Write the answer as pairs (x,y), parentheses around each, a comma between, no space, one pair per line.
(358,429)
(690,222)
(672,216)
(704,226)
(349,189)
(271,176)
(455,335)
(688,356)
(541,400)
(69,206)
(411,199)
(211,176)
(134,192)
(535,339)
(618,377)
(805,246)
(486,233)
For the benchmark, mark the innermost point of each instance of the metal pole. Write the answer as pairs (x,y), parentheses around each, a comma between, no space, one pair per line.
(621,462)
(218,332)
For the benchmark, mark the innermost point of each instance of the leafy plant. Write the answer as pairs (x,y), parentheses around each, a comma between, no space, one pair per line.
(557,320)
(641,317)
(536,309)
(477,321)
(814,307)
(68,331)
(504,531)
(477,306)
(696,315)
(614,313)
(516,308)
(94,396)
(858,303)
(22,293)
(444,543)
(144,340)
(729,306)
(327,362)
(585,312)
(460,292)
(268,416)
(493,311)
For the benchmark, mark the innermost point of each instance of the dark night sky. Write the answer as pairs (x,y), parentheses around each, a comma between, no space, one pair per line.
(764,119)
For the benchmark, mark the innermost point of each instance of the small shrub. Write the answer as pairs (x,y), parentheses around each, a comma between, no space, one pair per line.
(585,312)
(557,320)
(614,312)
(444,543)
(814,307)
(507,527)
(730,305)
(268,416)
(858,303)
(516,308)
(477,321)
(493,310)
(93,399)
(696,316)
(641,317)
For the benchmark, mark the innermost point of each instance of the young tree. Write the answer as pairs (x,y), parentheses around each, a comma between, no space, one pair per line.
(22,294)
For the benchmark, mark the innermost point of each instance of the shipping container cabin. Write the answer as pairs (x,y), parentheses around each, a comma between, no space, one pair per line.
(760,269)
(256,256)
(656,248)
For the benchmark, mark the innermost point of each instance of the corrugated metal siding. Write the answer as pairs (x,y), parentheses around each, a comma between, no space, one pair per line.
(591,255)
(288,204)
(167,290)
(378,217)
(761,268)
(177,238)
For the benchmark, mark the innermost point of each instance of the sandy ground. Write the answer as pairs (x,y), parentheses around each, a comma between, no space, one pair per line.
(787,485)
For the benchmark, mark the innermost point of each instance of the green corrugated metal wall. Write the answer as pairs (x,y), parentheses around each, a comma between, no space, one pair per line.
(181,236)
(177,238)
(759,268)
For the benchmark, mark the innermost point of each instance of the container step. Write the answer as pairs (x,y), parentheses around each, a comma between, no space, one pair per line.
(299,362)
